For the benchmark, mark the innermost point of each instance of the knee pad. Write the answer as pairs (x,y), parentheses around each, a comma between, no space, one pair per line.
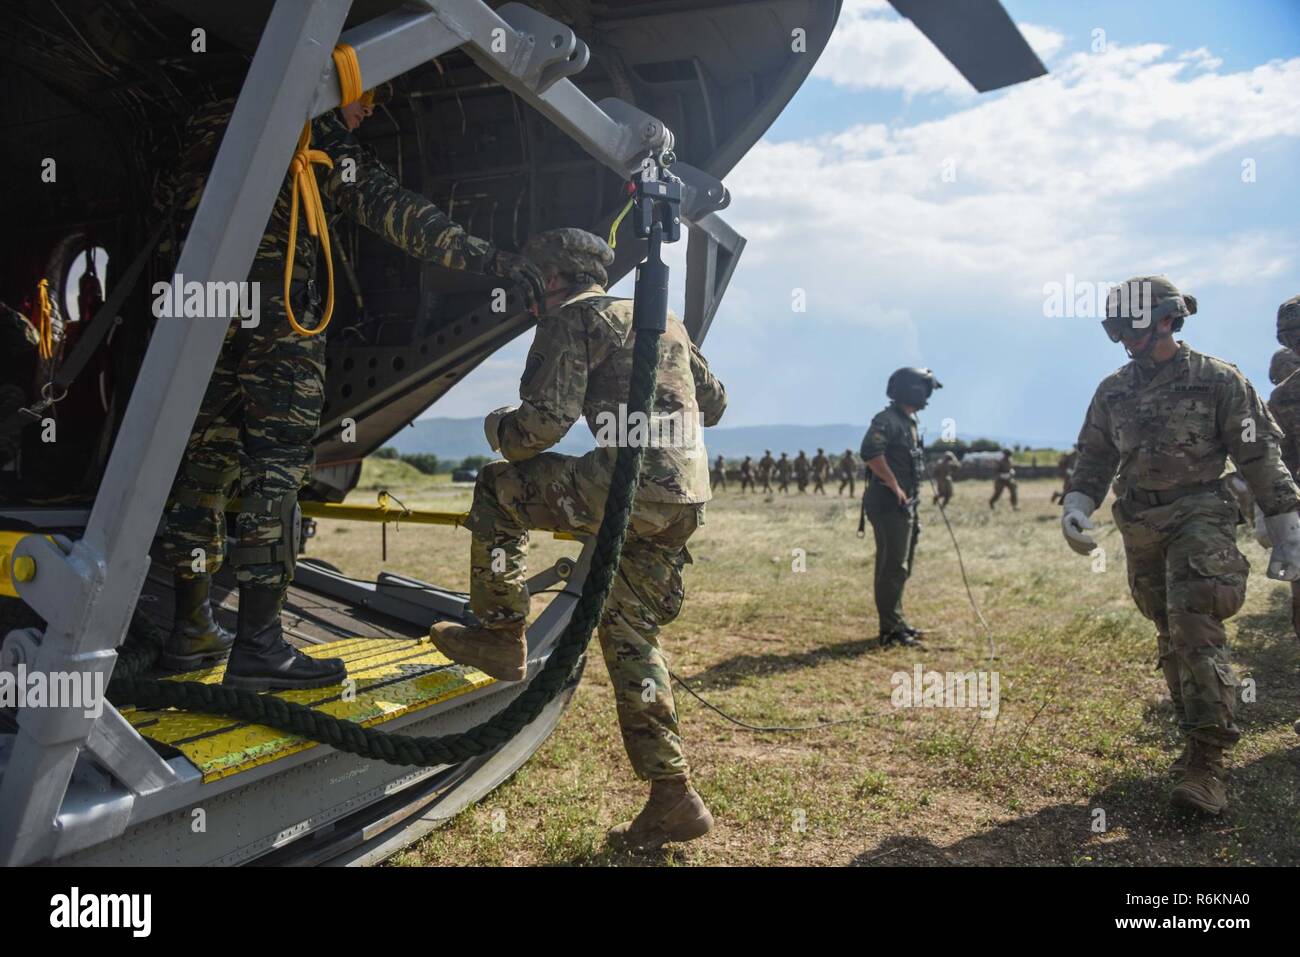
(285,551)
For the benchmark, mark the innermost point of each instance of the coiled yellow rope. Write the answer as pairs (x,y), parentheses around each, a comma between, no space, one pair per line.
(44,321)
(306,188)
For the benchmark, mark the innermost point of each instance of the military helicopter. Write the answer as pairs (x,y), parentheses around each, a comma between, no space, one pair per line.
(514,118)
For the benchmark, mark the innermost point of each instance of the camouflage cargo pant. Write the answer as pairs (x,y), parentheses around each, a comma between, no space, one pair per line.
(1010,485)
(549,492)
(259,415)
(943,491)
(1188,577)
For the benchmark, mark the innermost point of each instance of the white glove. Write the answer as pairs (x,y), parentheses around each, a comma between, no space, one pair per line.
(1075,512)
(1284,530)
(1261,529)
(492,425)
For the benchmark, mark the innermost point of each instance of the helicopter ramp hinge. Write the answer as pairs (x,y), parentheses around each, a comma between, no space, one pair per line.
(545,50)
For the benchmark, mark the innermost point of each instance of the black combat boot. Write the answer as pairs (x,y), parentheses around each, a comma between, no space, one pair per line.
(262,660)
(196,639)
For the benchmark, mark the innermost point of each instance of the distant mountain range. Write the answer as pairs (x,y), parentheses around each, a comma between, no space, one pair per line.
(455,439)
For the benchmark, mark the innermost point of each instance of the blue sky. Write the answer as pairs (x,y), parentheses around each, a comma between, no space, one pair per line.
(923,223)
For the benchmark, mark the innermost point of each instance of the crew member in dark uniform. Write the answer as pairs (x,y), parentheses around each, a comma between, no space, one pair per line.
(892,452)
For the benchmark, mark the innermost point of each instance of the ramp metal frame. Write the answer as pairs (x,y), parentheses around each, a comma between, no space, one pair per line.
(87,590)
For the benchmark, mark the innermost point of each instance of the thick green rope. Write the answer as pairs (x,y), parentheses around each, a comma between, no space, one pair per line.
(128,686)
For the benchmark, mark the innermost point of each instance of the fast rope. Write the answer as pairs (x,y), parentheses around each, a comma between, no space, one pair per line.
(649,321)
(307,190)
(961,565)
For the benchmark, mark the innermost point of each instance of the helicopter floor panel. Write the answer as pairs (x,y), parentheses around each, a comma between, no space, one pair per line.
(393,677)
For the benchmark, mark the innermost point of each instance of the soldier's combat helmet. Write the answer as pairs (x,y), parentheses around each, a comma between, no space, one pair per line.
(1137,307)
(1288,323)
(912,386)
(1284,362)
(572,251)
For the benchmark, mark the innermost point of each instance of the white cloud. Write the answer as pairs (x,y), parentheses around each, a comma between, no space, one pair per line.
(1050,177)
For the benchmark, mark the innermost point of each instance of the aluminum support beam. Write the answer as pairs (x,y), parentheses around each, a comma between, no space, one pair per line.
(87,597)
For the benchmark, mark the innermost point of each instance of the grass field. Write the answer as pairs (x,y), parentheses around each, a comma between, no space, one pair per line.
(1071,770)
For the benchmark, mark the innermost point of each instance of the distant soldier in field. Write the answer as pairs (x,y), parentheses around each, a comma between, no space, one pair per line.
(801,470)
(1006,479)
(580,365)
(892,450)
(821,468)
(848,469)
(765,466)
(1161,428)
(1064,469)
(1284,362)
(944,469)
(718,477)
(1284,403)
(263,402)
(782,469)
(747,474)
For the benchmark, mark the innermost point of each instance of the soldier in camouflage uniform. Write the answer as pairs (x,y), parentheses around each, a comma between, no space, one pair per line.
(765,466)
(801,469)
(580,364)
(892,450)
(747,474)
(848,473)
(263,403)
(718,477)
(1162,427)
(821,467)
(944,469)
(1284,362)
(1006,479)
(1284,403)
(782,469)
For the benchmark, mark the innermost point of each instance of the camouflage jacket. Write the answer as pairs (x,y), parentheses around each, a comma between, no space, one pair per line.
(892,433)
(766,464)
(847,465)
(821,465)
(943,468)
(801,466)
(782,468)
(1284,403)
(358,185)
(580,363)
(1176,426)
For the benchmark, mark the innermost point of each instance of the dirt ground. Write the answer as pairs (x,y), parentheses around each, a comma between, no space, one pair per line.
(778,629)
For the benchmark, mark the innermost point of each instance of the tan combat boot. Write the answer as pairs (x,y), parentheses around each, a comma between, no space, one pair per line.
(500,651)
(675,812)
(1202,787)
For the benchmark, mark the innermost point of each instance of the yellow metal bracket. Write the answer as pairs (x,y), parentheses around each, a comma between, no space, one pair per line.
(14,569)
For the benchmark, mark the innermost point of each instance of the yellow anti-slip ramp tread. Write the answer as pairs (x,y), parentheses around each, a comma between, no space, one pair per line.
(393,677)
